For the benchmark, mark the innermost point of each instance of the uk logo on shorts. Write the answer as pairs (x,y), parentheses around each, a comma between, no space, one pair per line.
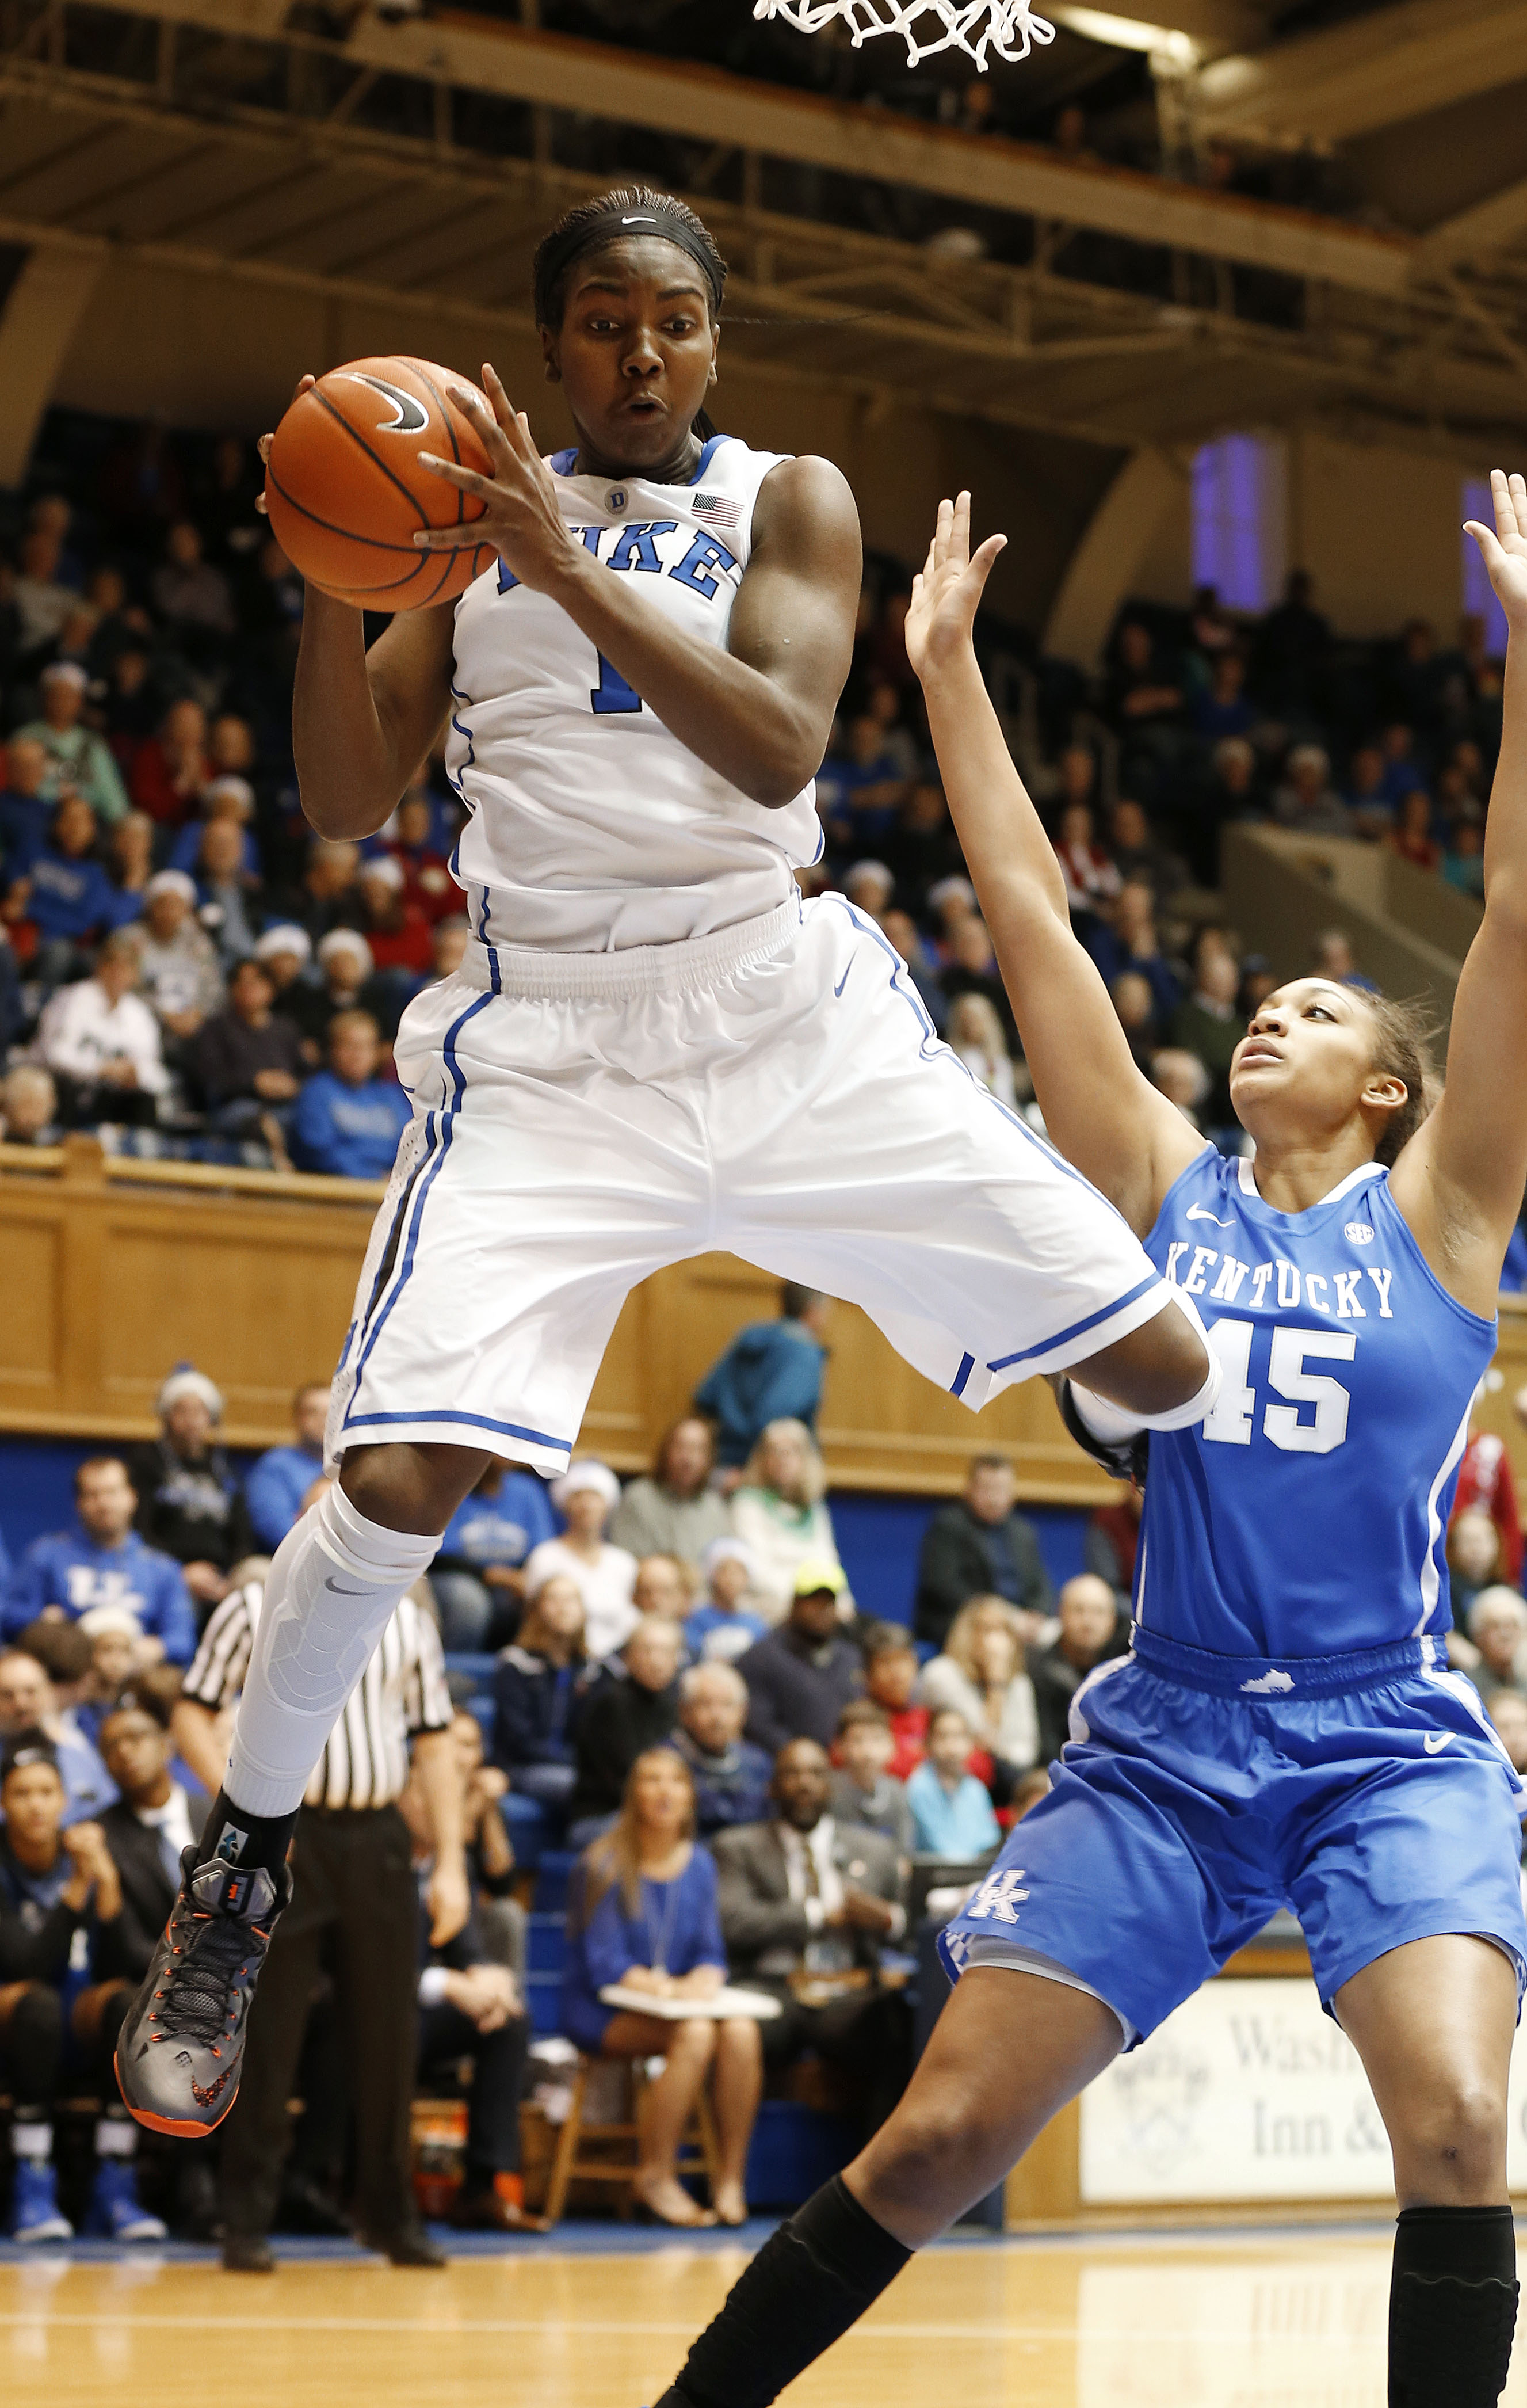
(999,1896)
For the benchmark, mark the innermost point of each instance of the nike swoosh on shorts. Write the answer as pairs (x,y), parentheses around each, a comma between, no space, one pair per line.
(1435,1741)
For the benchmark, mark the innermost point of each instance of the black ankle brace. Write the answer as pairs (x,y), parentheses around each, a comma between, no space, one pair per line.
(243,1839)
(1452,2307)
(810,2281)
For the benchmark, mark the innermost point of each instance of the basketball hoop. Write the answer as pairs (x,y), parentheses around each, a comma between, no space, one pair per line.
(1007,28)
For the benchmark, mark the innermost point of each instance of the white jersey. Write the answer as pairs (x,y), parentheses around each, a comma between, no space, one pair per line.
(593,828)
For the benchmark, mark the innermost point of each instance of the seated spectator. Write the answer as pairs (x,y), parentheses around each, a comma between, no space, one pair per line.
(285,952)
(490,1869)
(869,886)
(471,2008)
(448,947)
(803,1674)
(1507,1711)
(1497,1624)
(981,1675)
(277,1484)
(1293,649)
(951,1810)
(1092,1631)
(103,1561)
(902,931)
(980,1546)
(226,798)
(620,1720)
(191,1505)
(478,1575)
(780,1514)
(347,1121)
(872,786)
(864,1790)
(44,594)
(79,761)
(731,1775)
(1411,836)
(1143,695)
(328,898)
(170,769)
(1127,941)
(1222,709)
(177,962)
(976,1034)
(1112,1542)
(225,889)
(972,970)
(891,1677)
(26,800)
(807,1907)
(673,1510)
(1091,874)
(1331,956)
(1209,1024)
(132,852)
(1183,1080)
(1473,1558)
(63,893)
(1372,812)
(1140,853)
(538,1690)
(1132,999)
(193,596)
(398,931)
(721,1628)
(1308,802)
(643,1917)
(29,1701)
(427,882)
(60,1900)
(246,1060)
(1485,1480)
(148,1830)
(585,1496)
(772,1371)
(665,1586)
(952,902)
(1464,863)
(29,1106)
(116,1645)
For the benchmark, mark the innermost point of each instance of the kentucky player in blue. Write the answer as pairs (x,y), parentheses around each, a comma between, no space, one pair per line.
(651,1048)
(1285,1731)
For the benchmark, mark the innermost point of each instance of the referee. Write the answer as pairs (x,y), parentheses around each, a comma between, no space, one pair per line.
(354,1905)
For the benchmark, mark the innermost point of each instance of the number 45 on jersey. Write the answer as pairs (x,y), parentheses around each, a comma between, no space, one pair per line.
(1233,1420)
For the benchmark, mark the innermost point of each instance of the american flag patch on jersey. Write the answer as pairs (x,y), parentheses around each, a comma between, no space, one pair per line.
(718,507)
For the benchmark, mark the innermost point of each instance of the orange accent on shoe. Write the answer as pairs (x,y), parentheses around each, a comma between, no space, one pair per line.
(510,2189)
(167,2124)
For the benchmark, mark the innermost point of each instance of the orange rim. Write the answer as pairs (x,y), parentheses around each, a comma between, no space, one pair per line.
(177,2131)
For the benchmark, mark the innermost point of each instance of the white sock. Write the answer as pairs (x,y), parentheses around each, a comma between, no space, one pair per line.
(31,2140)
(116,2136)
(332,1589)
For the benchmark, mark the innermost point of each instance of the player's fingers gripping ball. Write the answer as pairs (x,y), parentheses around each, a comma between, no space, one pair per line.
(345,492)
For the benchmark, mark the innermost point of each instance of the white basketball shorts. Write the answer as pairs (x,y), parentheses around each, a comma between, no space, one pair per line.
(776,1091)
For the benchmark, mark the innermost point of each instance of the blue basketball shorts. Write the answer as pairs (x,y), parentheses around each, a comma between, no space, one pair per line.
(1369,1793)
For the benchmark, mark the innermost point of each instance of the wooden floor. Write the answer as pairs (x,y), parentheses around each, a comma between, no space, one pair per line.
(1192,2321)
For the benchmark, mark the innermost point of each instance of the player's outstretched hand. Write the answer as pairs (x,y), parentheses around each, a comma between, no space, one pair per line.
(302,386)
(1505,549)
(948,588)
(520,518)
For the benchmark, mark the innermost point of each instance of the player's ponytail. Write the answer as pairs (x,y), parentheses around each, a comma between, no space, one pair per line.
(1402,1035)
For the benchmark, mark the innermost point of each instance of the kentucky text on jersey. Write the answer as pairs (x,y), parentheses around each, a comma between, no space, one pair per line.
(1306,1515)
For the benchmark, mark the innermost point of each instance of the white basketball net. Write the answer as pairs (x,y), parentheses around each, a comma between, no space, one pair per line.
(1007,28)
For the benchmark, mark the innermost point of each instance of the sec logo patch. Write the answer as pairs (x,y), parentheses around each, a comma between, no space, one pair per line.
(1358,1232)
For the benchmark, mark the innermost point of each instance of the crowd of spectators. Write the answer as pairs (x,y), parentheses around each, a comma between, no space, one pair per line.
(186,969)
(759,1784)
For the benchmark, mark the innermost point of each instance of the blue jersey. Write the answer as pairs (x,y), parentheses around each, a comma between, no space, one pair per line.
(70,1570)
(1306,1515)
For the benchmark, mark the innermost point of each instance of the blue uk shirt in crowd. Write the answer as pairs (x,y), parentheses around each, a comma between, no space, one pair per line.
(501,1530)
(349,1132)
(68,1570)
(276,1487)
(68,897)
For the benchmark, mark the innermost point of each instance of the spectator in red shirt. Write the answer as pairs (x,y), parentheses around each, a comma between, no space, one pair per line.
(396,930)
(170,770)
(891,1671)
(428,885)
(1485,1482)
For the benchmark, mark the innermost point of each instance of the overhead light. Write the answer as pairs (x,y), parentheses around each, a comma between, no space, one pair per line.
(1167,42)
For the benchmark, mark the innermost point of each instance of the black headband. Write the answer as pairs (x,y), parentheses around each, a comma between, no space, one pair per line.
(615,224)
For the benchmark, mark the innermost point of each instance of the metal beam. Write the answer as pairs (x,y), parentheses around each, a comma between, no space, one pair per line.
(710,104)
(1378,70)
(1473,234)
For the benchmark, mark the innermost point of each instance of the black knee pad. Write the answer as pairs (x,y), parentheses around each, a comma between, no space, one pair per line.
(1453,2307)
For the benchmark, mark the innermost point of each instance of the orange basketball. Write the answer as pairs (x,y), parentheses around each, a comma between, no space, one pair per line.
(345,491)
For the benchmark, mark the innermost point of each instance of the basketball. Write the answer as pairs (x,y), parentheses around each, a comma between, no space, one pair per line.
(345,491)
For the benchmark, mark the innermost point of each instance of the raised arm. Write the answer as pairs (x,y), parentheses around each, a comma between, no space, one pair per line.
(1460,1181)
(760,713)
(1101,1111)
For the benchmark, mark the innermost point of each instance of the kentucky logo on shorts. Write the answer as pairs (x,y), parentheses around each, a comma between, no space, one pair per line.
(999,1896)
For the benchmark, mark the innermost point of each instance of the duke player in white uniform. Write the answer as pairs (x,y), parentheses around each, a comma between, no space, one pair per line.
(651,1048)
(1285,1730)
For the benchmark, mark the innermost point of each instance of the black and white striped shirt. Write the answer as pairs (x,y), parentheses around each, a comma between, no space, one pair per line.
(402,1691)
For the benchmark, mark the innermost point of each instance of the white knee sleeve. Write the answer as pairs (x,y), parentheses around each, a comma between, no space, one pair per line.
(333,1588)
(1115,1425)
